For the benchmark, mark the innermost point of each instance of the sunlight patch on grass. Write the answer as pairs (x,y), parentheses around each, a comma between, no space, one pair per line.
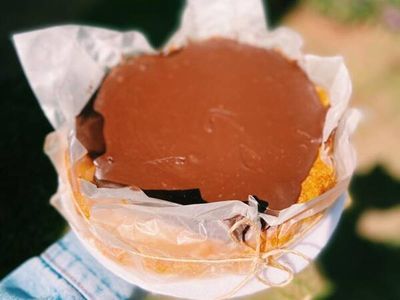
(381,225)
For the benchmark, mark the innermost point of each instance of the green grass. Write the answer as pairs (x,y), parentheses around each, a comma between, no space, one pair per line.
(354,10)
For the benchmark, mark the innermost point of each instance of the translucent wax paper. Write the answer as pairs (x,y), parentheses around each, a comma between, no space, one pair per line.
(185,251)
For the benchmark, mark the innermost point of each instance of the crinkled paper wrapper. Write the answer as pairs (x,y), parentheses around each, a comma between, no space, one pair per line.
(66,64)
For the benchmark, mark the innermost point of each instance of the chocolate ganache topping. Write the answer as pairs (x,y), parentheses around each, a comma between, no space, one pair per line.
(228,119)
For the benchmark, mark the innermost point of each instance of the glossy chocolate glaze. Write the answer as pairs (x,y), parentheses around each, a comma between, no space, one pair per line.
(226,118)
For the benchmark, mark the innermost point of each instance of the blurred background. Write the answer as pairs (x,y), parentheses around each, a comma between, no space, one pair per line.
(362,261)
